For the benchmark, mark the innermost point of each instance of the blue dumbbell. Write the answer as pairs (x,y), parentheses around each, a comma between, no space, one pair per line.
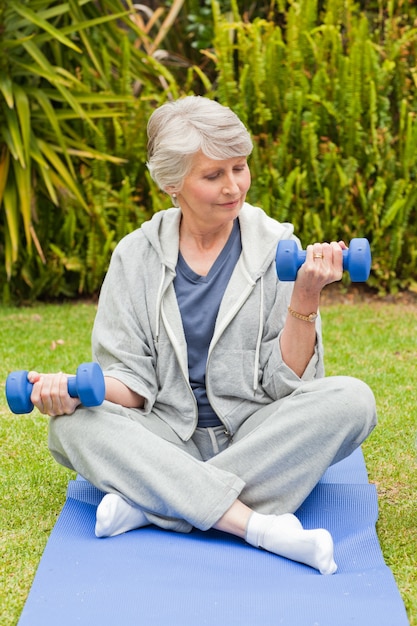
(88,385)
(356,259)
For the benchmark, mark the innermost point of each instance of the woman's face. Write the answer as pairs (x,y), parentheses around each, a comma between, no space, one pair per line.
(214,191)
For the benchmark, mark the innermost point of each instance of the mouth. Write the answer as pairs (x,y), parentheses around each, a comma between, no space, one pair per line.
(232,204)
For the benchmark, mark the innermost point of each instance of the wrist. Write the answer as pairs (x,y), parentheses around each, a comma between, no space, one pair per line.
(305,317)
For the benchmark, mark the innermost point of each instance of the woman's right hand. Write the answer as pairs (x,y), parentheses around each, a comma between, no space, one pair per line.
(50,394)
(323,265)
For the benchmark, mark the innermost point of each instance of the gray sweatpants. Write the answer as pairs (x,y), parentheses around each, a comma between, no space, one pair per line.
(271,464)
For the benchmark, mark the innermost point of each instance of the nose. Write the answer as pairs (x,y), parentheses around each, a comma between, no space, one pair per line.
(231,185)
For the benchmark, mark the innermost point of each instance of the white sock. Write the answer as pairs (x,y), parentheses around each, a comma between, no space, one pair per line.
(285,536)
(116,516)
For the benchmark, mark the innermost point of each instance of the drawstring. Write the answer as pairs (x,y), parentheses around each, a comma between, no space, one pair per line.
(259,338)
(158,303)
(213,439)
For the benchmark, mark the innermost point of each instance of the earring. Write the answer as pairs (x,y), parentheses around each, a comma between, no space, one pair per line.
(174,195)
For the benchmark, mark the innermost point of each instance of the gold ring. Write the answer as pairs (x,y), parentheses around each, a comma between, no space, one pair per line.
(318,255)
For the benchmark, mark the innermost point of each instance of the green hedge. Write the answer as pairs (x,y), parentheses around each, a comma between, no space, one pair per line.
(330,98)
(76,90)
(327,89)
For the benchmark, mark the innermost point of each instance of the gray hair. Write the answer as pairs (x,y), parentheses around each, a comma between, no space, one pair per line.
(178,130)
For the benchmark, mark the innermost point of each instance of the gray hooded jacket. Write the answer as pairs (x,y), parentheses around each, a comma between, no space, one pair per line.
(138,336)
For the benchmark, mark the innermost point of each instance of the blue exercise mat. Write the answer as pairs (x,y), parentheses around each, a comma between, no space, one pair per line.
(153,577)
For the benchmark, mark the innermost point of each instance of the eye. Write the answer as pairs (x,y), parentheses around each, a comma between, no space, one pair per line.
(213,176)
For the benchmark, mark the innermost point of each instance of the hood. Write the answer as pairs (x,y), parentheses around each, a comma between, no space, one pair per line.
(162,232)
(260,235)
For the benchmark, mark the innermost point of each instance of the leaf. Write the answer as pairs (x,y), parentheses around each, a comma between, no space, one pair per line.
(4,170)
(12,212)
(13,136)
(6,88)
(23,112)
(35,19)
(44,170)
(51,117)
(63,172)
(55,79)
(24,193)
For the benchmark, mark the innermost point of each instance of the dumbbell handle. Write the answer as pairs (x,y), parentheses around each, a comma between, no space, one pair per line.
(302,254)
(72,387)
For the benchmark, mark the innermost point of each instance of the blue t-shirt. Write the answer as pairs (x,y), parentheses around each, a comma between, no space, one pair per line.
(199,299)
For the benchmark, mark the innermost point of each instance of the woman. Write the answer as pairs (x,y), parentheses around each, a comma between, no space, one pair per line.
(217,411)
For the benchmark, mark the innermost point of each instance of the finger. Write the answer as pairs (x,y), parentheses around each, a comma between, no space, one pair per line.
(58,394)
(337,255)
(342,245)
(318,252)
(33,376)
(35,396)
(62,402)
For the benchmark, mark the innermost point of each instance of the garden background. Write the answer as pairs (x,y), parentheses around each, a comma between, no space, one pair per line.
(328,91)
(327,88)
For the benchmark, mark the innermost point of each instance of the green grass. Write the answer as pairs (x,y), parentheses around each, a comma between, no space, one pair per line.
(374,341)
(377,343)
(33,485)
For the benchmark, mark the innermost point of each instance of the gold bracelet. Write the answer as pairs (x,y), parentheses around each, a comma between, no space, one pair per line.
(306,318)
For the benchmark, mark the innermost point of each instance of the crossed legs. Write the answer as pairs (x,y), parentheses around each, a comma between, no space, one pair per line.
(250,489)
